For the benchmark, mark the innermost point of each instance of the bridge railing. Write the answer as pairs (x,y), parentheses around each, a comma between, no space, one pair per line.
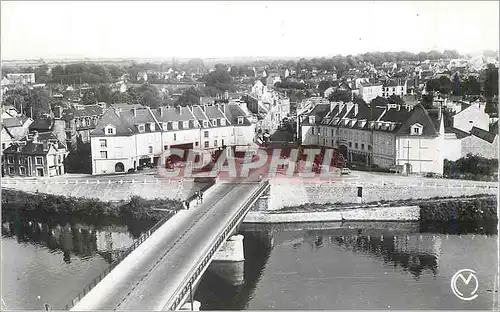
(186,286)
(120,255)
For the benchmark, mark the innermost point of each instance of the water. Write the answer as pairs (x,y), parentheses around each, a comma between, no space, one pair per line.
(308,266)
(354,266)
(50,261)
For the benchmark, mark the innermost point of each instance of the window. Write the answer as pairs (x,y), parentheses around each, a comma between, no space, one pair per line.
(141,128)
(362,146)
(355,145)
(215,143)
(205,134)
(206,144)
(103,143)
(179,124)
(222,142)
(471,121)
(312,130)
(11,170)
(84,122)
(222,122)
(152,126)
(3,146)
(185,125)
(39,161)
(165,126)
(110,131)
(205,123)
(59,159)
(67,124)
(22,170)
(332,133)
(196,143)
(68,136)
(165,147)
(104,154)
(214,122)
(350,144)
(23,160)
(175,136)
(416,130)
(240,120)
(150,150)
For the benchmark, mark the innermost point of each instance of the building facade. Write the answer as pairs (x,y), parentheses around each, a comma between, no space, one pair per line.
(385,136)
(368,91)
(38,155)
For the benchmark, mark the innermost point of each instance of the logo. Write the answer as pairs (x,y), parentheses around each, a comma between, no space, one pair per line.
(466,276)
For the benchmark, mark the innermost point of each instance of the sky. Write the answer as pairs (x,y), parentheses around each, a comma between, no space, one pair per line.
(128,29)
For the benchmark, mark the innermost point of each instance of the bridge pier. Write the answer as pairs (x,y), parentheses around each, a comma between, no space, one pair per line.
(229,262)
(188,307)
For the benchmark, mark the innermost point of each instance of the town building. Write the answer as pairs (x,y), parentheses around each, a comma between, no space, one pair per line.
(480,142)
(74,125)
(385,136)
(37,155)
(471,115)
(126,138)
(395,87)
(14,129)
(22,78)
(368,91)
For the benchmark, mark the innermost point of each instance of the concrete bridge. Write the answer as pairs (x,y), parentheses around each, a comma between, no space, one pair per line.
(163,272)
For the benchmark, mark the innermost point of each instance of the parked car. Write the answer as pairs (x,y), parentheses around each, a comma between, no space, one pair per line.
(345,171)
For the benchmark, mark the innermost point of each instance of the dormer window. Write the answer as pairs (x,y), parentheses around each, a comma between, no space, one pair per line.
(165,126)
(205,123)
(110,130)
(185,124)
(416,129)
(141,127)
(175,125)
(240,120)
(152,126)
(214,122)
(222,122)
(312,119)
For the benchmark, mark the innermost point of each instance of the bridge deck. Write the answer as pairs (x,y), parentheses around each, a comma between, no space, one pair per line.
(150,275)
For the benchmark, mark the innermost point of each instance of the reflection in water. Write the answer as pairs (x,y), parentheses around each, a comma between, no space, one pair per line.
(353,266)
(50,261)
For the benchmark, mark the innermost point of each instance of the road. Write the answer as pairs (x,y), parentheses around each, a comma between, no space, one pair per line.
(147,278)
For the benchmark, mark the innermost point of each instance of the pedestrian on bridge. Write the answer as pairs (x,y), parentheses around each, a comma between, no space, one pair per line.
(201,197)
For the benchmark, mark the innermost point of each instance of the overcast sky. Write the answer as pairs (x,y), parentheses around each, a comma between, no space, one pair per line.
(226,29)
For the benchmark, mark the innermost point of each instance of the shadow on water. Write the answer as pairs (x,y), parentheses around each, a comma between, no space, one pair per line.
(74,237)
(216,294)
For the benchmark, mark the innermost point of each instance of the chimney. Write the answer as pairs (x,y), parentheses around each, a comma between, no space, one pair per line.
(161,111)
(356,110)
(134,110)
(178,110)
(45,146)
(58,112)
(35,137)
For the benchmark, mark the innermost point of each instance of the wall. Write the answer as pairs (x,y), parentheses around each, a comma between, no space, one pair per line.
(475,145)
(370,92)
(120,149)
(244,135)
(424,154)
(452,148)
(284,193)
(145,140)
(473,116)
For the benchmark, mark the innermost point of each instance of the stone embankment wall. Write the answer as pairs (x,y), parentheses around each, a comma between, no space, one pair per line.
(108,191)
(289,194)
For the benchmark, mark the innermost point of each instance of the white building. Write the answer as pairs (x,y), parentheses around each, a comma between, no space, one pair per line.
(394,87)
(385,136)
(369,91)
(127,138)
(471,115)
(22,78)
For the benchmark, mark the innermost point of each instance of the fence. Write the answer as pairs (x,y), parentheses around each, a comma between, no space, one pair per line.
(194,274)
(123,254)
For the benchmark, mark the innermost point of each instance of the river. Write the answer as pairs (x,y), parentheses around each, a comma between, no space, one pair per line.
(386,265)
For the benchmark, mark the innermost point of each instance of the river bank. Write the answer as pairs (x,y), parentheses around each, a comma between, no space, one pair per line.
(476,208)
(136,208)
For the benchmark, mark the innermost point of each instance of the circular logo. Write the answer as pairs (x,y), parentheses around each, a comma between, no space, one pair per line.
(466,276)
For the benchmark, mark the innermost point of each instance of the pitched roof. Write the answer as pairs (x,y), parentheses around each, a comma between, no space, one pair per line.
(233,111)
(86,111)
(179,113)
(14,121)
(459,133)
(29,147)
(483,134)
(419,115)
(125,121)
(42,124)
(319,111)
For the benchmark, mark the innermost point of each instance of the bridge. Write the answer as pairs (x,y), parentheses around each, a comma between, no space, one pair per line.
(161,273)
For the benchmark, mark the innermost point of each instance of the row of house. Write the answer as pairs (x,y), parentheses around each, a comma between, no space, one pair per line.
(129,136)
(413,139)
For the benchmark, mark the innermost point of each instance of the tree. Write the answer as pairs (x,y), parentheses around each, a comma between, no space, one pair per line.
(428,100)
(490,75)
(220,79)
(190,97)
(379,101)
(340,96)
